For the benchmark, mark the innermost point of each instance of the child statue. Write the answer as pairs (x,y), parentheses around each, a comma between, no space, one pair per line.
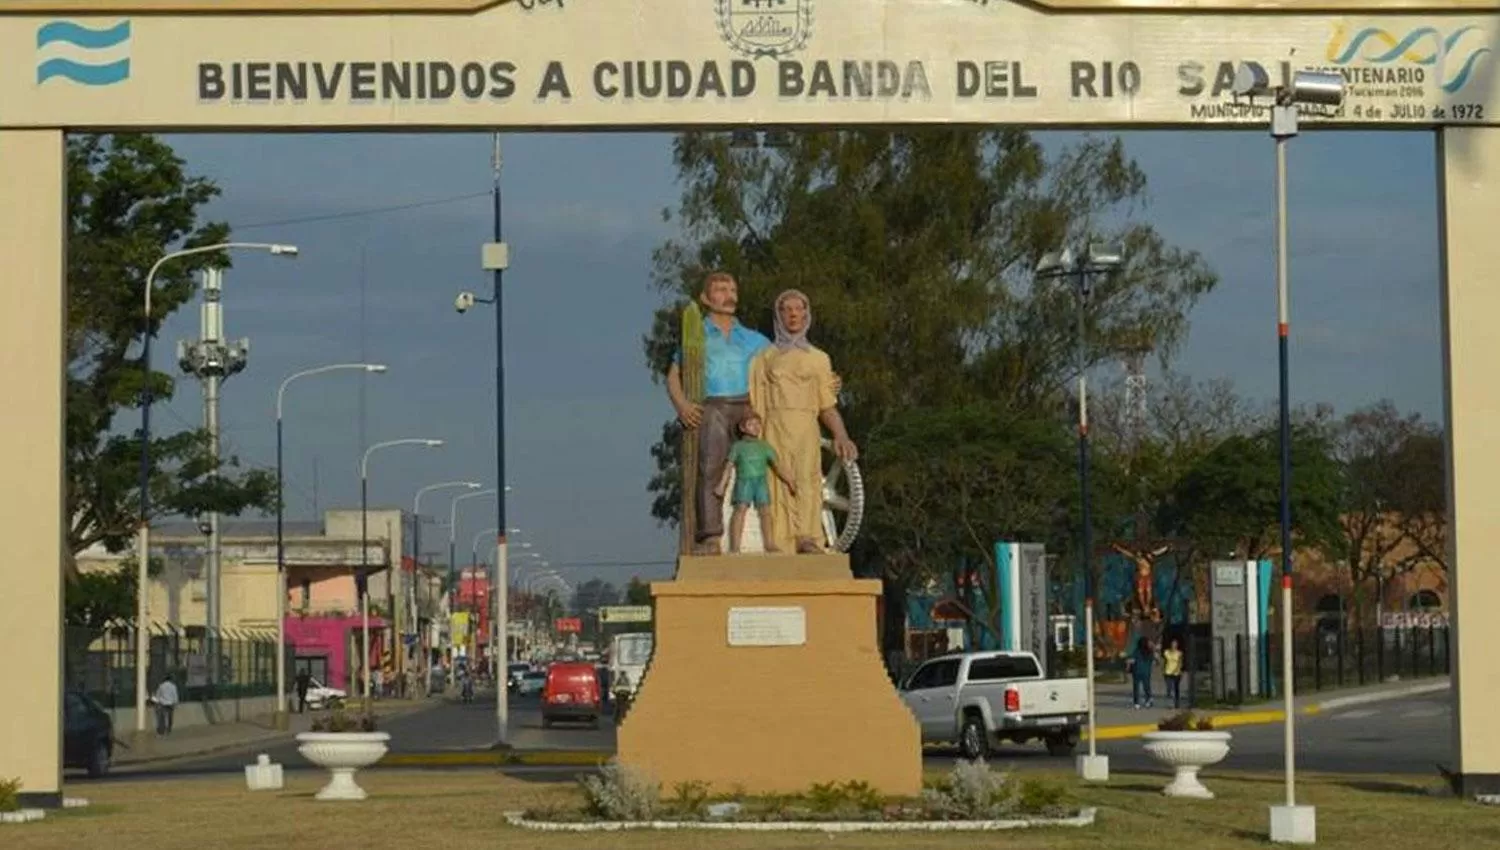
(751,458)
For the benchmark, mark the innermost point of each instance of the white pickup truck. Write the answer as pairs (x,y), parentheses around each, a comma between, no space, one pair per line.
(978,699)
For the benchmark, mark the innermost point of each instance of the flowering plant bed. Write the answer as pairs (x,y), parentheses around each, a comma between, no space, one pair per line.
(971,798)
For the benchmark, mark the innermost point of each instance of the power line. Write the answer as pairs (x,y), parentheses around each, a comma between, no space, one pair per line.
(609,564)
(435,202)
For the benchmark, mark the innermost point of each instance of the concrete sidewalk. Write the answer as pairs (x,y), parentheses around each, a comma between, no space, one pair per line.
(1117,719)
(194,741)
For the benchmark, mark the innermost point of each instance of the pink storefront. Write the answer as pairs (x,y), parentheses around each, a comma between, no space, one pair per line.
(328,646)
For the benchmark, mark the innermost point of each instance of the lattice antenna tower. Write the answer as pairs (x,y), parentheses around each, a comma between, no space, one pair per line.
(1136,399)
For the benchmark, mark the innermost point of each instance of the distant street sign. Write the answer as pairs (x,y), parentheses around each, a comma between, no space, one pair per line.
(625,614)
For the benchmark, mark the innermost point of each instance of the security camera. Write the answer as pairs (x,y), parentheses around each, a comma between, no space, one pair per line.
(463,302)
(204,526)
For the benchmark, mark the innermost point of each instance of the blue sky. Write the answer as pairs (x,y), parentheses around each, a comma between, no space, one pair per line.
(582,216)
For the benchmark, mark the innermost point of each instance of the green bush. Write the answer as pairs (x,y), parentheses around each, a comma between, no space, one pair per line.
(847,798)
(10,795)
(972,791)
(339,720)
(621,793)
(690,798)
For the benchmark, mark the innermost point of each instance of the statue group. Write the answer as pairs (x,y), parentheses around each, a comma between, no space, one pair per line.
(753,409)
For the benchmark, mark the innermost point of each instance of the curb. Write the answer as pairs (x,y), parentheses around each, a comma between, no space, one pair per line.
(1382,696)
(545,758)
(271,736)
(1257,718)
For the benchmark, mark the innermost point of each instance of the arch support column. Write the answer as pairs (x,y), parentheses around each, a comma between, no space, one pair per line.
(33,230)
(1469,208)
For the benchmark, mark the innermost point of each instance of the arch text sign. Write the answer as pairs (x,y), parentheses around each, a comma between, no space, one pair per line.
(598,64)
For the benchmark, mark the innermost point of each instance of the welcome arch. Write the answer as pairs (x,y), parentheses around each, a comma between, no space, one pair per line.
(266,65)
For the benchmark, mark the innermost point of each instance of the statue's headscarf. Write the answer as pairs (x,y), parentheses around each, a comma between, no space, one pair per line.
(786,339)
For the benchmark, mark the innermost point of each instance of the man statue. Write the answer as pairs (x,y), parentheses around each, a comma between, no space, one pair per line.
(794,389)
(728,349)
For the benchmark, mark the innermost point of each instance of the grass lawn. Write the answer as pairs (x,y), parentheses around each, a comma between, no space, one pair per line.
(463,809)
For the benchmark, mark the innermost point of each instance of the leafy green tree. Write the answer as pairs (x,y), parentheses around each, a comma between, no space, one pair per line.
(1229,500)
(951,483)
(131,200)
(637,592)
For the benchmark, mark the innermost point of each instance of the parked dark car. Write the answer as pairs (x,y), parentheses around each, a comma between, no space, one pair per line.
(88,735)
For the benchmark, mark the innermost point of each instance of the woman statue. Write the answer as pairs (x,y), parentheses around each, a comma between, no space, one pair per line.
(793,388)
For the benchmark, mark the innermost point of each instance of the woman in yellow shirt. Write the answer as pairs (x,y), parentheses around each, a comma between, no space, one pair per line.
(1171,671)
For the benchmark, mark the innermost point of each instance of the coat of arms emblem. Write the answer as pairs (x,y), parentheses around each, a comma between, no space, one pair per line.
(759,28)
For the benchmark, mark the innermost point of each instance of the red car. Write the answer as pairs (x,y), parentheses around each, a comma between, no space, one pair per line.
(571,693)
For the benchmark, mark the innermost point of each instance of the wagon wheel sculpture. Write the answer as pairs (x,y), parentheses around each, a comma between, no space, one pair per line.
(843,500)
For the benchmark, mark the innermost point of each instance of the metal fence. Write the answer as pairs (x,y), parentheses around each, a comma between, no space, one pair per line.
(1231,671)
(228,664)
(1237,670)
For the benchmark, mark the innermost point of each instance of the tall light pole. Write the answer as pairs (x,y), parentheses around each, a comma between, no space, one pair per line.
(496,644)
(1290,824)
(454,577)
(416,536)
(362,586)
(143,538)
(1080,272)
(369,368)
(495,258)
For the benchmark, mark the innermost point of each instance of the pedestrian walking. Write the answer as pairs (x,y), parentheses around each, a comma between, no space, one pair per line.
(1142,662)
(304,682)
(165,700)
(1171,672)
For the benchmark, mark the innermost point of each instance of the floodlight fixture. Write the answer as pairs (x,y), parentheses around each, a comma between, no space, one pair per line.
(1251,80)
(1103,257)
(1319,88)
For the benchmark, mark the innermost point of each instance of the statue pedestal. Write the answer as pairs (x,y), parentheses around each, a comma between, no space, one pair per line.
(766,678)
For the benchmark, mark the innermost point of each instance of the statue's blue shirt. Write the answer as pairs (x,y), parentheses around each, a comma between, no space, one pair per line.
(726,369)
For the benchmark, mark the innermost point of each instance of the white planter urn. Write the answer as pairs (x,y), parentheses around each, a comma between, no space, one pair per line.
(342,753)
(1188,753)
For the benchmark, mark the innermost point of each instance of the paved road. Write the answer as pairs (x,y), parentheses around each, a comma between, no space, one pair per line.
(1408,735)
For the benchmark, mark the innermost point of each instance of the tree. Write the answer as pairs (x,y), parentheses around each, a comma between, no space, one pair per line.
(1229,500)
(1395,517)
(917,249)
(1422,506)
(637,592)
(130,200)
(945,485)
(1182,422)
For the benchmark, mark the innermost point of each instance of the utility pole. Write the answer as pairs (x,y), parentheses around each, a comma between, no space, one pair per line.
(211,359)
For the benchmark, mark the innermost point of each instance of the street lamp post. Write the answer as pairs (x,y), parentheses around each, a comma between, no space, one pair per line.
(1291,824)
(495,642)
(1080,272)
(375,368)
(362,586)
(416,544)
(454,577)
(143,537)
(495,258)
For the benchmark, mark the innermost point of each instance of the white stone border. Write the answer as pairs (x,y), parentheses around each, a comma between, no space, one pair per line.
(22,815)
(1085,817)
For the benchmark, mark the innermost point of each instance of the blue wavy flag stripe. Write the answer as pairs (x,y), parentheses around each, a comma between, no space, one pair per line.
(77,34)
(1462,77)
(89,75)
(1351,50)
